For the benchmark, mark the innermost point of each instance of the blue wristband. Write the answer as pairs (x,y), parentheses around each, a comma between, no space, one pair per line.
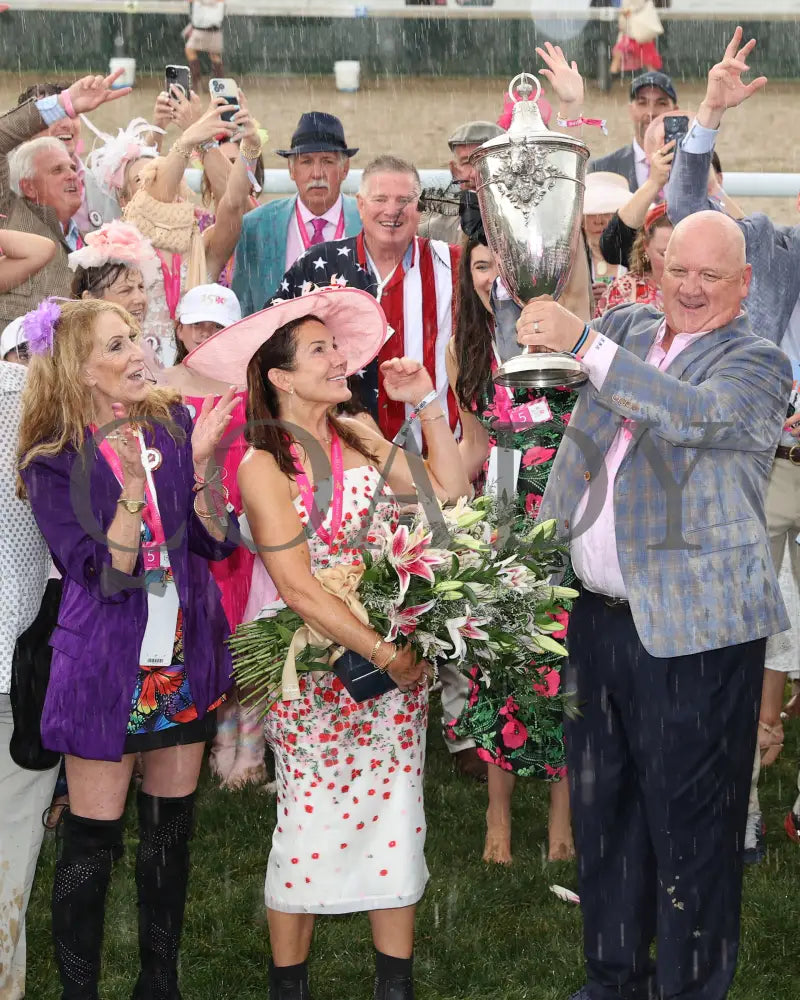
(581,340)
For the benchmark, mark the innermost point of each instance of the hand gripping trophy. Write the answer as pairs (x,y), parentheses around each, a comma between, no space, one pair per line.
(530,192)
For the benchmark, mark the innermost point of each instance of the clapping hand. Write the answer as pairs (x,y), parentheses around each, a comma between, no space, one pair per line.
(562,76)
(405,380)
(125,442)
(725,88)
(90,92)
(210,426)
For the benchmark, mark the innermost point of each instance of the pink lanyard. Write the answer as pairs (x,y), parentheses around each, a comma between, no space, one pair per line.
(150,514)
(172,281)
(307,491)
(301,226)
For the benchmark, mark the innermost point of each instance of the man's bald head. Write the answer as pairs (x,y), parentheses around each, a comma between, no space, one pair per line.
(706,274)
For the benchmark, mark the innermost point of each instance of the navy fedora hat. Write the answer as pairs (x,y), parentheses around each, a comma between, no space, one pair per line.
(318,132)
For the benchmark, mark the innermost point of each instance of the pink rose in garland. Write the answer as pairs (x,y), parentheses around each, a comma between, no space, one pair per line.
(533,501)
(549,682)
(563,619)
(514,734)
(537,456)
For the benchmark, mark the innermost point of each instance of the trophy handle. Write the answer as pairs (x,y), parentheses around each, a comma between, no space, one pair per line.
(525,88)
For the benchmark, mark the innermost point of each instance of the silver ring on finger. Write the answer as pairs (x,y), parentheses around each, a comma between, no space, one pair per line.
(536,327)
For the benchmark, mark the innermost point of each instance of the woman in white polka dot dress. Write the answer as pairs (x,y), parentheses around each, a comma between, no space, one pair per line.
(350,831)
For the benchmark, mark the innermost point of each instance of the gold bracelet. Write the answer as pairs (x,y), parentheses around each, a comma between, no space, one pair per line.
(375,648)
(208,517)
(250,152)
(430,420)
(182,149)
(132,506)
(389,662)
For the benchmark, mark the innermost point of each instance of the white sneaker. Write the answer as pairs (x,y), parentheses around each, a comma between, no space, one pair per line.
(754,849)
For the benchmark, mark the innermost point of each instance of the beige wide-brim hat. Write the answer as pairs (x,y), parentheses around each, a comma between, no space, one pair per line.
(354,317)
(605,193)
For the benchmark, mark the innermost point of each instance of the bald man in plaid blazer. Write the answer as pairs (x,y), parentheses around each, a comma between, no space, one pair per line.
(659,489)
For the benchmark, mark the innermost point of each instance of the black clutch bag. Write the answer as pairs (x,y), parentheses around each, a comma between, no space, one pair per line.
(361,679)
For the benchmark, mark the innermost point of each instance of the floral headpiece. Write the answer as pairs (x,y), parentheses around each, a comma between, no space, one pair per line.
(39,326)
(117,242)
(107,163)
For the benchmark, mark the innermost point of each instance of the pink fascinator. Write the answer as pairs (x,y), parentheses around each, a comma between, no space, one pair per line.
(545,109)
(117,242)
(107,163)
(39,326)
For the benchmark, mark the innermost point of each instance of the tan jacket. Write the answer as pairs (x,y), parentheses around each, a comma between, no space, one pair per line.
(23,215)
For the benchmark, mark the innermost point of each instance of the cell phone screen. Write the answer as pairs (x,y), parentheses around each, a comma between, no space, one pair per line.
(675,127)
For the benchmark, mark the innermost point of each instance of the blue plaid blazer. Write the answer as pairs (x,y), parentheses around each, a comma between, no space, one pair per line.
(689,494)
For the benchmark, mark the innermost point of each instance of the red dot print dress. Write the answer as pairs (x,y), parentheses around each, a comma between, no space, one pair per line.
(350,833)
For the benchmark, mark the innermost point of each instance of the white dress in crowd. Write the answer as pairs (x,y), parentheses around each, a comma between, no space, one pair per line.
(350,832)
(158,329)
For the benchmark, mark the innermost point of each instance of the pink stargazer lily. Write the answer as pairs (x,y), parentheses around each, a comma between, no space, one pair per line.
(465,627)
(404,621)
(411,554)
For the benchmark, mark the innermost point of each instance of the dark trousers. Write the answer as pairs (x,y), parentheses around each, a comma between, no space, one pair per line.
(660,760)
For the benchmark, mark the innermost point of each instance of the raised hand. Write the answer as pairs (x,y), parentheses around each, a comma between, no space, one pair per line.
(90,92)
(405,380)
(211,424)
(209,124)
(163,112)
(562,75)
(661,163)
(725,88)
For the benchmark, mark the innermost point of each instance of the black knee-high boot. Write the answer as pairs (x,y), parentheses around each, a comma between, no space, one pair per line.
(394,977)
(162,875)
(288,982)
(87,851)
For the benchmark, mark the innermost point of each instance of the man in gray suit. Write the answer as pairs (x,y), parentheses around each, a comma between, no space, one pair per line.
(774,309)
(652,94)
(658,487)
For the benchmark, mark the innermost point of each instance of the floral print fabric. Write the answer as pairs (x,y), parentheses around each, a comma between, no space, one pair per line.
(350,834)
(513,724)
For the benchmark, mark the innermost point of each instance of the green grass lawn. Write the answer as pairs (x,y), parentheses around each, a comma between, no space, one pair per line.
(482,932)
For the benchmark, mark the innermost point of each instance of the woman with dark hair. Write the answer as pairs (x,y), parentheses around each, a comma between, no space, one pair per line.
(351,826)
(514,728)
(116,264)
(139,658)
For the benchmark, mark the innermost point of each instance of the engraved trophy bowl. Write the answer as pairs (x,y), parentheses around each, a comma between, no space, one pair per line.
(530,191)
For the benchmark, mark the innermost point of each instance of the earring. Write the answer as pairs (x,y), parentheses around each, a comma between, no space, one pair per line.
(291,390)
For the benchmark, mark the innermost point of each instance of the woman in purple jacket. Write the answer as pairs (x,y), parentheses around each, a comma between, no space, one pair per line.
(132,505)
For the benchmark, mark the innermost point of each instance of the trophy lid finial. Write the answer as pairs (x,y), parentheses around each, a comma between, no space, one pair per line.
(527,84)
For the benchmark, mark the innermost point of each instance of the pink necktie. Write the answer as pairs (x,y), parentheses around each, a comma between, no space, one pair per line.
(319,226)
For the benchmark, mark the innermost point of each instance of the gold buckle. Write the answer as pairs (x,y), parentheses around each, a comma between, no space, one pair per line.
(794,454)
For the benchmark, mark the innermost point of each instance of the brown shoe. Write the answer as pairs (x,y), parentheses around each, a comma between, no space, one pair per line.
(470,765)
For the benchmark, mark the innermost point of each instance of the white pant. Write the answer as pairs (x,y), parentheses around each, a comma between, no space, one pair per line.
(24,795)
(455,689)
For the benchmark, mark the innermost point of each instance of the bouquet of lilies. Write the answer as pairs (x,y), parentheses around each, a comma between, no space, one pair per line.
(473,592)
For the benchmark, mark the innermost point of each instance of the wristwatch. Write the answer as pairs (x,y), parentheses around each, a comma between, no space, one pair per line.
(132,506)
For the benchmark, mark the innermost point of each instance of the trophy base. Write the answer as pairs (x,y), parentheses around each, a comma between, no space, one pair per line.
(541,371)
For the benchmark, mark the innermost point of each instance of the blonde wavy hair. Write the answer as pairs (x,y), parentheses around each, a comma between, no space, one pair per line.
(56,402)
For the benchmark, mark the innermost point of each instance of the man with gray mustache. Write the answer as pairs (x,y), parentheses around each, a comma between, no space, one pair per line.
(276,234)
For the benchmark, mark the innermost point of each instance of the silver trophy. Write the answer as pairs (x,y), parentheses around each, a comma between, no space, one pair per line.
(530,191)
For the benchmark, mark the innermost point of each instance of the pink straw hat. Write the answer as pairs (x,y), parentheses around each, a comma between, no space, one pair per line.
(354,317)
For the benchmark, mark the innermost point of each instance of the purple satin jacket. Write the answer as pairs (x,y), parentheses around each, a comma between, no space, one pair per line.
(103,612)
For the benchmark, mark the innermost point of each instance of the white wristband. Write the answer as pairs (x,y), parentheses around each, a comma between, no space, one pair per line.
(432,397)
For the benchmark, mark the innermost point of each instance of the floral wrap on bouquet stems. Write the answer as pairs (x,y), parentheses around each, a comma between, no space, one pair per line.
(482,600)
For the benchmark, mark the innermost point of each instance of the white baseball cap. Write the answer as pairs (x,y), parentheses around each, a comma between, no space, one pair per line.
(209,304)
(12,337)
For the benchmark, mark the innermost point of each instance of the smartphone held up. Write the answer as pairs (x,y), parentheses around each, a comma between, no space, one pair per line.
(228,89)
(177,76)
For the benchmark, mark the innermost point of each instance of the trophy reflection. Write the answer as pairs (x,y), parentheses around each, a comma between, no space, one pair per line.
(530,192)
